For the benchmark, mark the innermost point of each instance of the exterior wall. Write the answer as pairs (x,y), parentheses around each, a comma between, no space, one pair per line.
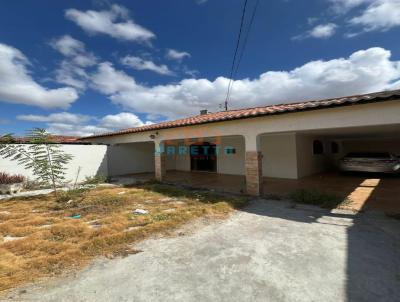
(279,155)
(170,162)
(131,158)
(179,162)
(182,162)
(307,162)
(372,145)
(92,160)
(232,163)
(226,163)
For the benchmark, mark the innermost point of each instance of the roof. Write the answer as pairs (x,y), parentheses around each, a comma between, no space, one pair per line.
(60,139)
(261,111)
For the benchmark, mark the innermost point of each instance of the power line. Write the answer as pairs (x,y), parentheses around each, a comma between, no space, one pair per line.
(235,69)
(235,54)
(246,38)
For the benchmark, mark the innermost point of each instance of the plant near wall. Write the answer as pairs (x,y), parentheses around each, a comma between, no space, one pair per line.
(45,158)
(7,179)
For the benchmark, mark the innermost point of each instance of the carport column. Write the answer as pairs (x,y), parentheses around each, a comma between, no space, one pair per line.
(159,160)
(254,183)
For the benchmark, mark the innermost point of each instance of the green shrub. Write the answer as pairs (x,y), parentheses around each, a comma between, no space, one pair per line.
(323,199)
(74,195)
(94,180)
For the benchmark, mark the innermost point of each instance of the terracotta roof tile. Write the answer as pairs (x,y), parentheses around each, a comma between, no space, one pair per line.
(260,111)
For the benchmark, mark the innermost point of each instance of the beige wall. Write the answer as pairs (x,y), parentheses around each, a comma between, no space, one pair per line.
(131,158)
(279,155)
(309,163)
(231,163)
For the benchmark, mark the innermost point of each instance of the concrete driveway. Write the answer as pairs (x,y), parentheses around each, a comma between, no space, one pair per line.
(268,252)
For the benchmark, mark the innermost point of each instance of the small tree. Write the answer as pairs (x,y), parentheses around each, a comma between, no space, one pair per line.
(45,158)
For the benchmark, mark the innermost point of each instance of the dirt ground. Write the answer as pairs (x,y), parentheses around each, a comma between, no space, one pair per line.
(267,251)
(45,236)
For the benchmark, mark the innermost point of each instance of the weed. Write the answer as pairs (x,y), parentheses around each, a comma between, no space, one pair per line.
(73,195)
(94,180)
(323,199)
(50,243)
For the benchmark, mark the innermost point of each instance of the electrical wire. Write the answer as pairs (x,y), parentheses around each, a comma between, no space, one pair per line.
(235,54)
(245,40)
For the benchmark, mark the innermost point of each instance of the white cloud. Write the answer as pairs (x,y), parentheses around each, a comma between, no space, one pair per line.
(380,15)
(67,45)
(174,54)
(322,31)
(141,64)
(70,74)
(62,117)
(122,120)
(343,6)
(362,72)
(66,123)
(75,130)
(75,50)
(18,86)
(72,69)
(114,22)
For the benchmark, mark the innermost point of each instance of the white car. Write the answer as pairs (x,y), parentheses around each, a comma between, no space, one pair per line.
(381,162)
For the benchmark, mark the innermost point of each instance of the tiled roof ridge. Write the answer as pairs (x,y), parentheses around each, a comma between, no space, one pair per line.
(258,111)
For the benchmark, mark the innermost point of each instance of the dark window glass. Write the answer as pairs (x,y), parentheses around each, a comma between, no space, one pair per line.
(318,147)
(230,151)
(335,147)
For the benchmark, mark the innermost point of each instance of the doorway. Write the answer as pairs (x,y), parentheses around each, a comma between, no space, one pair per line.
(203,157)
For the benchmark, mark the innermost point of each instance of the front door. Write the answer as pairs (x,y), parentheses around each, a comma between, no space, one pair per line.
(203,157)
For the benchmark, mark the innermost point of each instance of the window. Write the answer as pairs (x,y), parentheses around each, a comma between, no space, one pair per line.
(230,150)
(334,147)
(318,147)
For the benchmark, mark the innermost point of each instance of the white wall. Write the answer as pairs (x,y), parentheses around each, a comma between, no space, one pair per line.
(279,155)
(232,163)
(309,163)
(131,158)
(182,161)
(91,159)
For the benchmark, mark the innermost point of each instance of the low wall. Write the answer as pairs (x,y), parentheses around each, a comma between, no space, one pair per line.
(92,160)
(131,158)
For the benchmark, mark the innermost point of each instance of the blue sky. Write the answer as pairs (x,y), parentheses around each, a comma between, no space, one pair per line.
(83,67)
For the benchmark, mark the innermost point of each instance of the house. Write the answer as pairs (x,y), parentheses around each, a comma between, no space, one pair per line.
(288,141)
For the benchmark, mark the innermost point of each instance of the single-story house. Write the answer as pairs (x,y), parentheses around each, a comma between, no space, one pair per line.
(287,141)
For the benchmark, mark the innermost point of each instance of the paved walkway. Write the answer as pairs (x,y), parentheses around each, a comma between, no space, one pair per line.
(367,191)
(268,252)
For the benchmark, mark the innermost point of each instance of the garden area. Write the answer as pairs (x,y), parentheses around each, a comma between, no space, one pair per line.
(50,234)
(44,236)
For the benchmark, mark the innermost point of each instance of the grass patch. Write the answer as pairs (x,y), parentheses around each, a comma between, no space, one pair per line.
(46,241)
(322,199)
